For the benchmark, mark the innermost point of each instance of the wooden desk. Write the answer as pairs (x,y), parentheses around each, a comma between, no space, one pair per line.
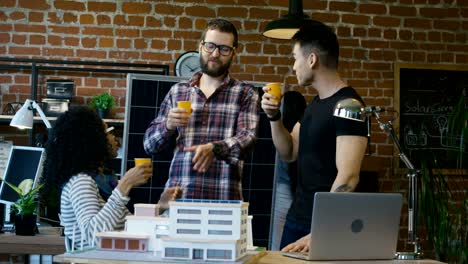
(265,257)
(39,244)
(112,257)
(275,257)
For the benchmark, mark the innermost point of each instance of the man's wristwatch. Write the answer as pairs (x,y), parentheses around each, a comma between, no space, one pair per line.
(276,117)
(216,149)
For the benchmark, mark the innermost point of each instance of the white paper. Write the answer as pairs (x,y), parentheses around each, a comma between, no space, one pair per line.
(5,150)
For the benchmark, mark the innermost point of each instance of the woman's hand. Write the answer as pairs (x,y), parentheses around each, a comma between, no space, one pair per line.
(169,194)
(136,176)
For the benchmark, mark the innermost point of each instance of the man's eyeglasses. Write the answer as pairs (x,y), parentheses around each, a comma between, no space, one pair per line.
(210,47)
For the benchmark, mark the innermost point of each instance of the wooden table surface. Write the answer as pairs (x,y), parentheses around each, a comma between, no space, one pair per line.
(39,244)
(275,257)
(265,257)
(103,257)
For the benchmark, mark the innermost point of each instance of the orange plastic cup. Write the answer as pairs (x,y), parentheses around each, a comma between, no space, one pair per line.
(275,90)
(139,161)
(187,105)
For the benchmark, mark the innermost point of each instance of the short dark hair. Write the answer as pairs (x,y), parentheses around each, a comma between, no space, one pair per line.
(223,26)
(316,35)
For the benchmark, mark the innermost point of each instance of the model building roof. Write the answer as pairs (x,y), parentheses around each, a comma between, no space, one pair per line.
(143,205)
(211,203)
(116,234)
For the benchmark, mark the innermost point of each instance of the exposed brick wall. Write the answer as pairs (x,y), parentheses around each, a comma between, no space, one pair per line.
(373,36)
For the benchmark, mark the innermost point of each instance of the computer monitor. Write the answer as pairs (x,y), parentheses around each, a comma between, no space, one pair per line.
(23,163)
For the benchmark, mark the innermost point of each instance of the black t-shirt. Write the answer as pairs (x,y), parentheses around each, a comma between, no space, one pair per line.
(317,146)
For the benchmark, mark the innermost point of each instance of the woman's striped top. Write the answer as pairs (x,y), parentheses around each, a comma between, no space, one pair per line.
(84,212)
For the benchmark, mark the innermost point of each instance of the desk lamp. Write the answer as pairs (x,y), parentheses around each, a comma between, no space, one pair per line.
(354,110)
(23,119)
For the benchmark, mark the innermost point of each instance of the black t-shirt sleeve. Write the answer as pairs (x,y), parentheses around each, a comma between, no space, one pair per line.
(347,127)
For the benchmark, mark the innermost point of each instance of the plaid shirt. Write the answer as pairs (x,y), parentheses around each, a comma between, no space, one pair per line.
(229,118)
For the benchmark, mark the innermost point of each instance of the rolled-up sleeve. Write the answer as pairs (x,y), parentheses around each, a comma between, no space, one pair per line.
(234,148)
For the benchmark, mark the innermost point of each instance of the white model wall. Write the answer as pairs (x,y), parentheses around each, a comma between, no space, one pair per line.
(155,227)
(196,220)
(232,246)
(207,226)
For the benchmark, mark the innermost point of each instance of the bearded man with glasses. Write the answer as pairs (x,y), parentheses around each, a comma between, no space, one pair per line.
(214,137)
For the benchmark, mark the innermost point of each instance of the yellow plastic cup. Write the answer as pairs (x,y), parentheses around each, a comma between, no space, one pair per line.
(187,105)
(139,161)
(275,90)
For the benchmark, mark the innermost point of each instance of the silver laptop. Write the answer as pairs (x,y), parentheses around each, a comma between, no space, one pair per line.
(349,226)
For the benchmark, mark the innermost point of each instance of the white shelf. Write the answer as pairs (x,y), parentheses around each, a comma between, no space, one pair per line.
(37,118)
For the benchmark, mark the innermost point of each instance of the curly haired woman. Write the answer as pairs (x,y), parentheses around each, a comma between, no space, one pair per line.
(76,151)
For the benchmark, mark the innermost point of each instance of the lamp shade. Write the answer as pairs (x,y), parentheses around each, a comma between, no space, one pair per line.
(283,28)
(350,108)
(287,26)
(24,117)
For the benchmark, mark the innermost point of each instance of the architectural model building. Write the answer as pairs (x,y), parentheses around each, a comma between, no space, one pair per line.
(206,229)
(123,241)
(146,209)
(132,240)
(195,229)
(155,227)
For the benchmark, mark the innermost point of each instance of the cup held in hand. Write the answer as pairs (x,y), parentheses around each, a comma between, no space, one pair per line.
(275,90)
(187,105)
(139,161)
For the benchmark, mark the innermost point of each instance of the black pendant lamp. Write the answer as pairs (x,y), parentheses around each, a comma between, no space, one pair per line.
(287,26)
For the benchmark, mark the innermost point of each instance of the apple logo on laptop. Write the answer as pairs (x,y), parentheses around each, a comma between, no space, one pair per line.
(357,225)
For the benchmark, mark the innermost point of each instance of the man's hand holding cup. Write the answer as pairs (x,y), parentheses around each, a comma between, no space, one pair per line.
(179,116)
(271,99)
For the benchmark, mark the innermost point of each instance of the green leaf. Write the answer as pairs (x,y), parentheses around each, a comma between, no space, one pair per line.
(26,204)
(16,189)
(25,186)
(103,101)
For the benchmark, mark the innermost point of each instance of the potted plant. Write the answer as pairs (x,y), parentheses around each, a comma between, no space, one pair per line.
(103,103)
(444,207)
(24,208)
(445,219)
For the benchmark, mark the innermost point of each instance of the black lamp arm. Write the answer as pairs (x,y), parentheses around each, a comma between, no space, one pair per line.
(388,127)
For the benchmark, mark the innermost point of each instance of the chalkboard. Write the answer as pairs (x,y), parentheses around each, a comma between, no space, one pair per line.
(425,95)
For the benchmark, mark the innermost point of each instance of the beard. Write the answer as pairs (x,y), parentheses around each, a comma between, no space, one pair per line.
(217,71)
(304,83)
(305,80)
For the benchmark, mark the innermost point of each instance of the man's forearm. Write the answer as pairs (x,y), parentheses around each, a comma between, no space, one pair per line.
(345,183)
(349,154)
(156,136)
(234,148)
(283,141)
